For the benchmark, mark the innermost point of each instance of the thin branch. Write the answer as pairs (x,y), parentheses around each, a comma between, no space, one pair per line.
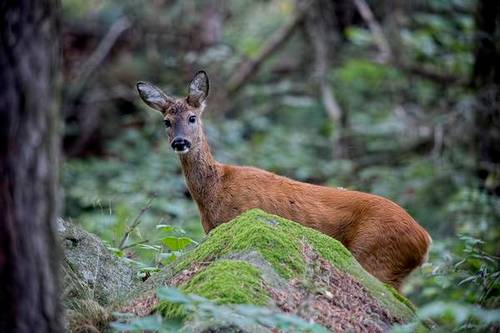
(329,101)
(321,68)
(99,55)
(134,244)
(135,223)
(376,30)
(247,69)
(431,75)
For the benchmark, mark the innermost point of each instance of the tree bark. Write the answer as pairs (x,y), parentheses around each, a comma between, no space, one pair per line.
(486,81)
(29,146)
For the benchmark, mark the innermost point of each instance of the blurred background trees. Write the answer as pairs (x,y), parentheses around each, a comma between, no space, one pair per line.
(398,98)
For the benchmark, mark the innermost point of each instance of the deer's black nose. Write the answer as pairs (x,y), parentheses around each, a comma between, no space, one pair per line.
(180,144)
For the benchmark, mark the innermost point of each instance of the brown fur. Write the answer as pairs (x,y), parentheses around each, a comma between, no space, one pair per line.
(382,236)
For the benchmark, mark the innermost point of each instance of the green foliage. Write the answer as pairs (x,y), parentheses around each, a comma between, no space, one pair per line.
(464,271)
(460,288)
(435,38)
(451,317)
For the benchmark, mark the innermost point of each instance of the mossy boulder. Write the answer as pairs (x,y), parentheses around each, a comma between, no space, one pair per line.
(266,260)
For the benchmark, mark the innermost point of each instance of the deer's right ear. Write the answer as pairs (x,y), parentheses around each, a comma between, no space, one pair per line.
(198,89)
(153,96)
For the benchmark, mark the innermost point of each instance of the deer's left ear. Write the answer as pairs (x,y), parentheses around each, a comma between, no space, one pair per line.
(154,97)
(198,89)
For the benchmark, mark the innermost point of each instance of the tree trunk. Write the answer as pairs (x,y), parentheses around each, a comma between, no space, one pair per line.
(29,146)
(486,81)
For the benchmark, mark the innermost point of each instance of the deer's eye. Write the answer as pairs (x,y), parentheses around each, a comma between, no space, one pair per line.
(192,119)
(167,123)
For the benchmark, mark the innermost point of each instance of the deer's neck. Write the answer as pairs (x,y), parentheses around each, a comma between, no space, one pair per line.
(202,173)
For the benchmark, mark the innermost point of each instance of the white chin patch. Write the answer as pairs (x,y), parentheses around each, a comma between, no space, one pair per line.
(180,152)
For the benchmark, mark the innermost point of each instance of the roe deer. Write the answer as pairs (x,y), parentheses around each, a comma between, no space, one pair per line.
(381,235)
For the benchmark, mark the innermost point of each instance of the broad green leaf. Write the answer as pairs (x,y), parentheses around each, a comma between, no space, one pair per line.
(176,243)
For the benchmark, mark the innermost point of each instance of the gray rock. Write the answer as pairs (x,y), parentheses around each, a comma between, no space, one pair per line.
(91,271)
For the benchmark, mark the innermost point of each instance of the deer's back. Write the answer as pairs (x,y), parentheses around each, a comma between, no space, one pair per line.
(336,212)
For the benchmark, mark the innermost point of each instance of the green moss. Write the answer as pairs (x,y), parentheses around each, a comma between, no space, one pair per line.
(229,281)
(224,282)
(254,230)
(279,241)
(401,298)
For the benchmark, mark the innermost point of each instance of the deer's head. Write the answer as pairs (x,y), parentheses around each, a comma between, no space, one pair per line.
(180,115)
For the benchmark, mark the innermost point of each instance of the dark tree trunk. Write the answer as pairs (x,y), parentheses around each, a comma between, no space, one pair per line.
(29,56)
(486,80)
